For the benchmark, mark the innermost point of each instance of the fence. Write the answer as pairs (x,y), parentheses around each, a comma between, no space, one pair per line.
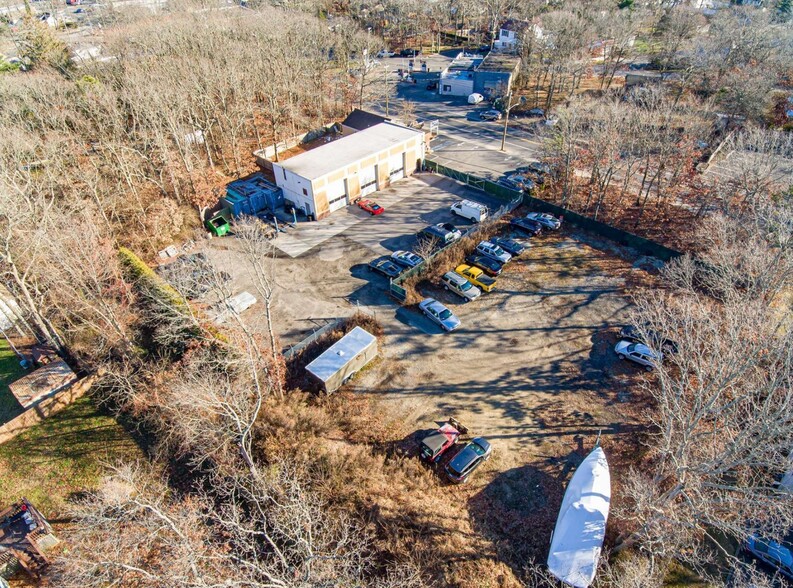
(398,292)
(642,245)
(312,337)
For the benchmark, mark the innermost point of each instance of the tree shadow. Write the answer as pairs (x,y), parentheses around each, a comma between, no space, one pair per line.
(517,510)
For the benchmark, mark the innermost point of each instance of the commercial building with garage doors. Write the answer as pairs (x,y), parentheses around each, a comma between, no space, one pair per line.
(334,175)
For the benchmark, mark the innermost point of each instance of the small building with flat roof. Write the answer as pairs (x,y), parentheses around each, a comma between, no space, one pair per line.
(490,76)
(336,174)
(43,382)
(343,359)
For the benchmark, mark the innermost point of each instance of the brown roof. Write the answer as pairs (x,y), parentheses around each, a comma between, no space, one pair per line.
(42,382)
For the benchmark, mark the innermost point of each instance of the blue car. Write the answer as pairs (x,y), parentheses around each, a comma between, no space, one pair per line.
(777,555)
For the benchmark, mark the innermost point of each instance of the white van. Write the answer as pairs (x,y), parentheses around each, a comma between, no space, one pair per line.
(473,211)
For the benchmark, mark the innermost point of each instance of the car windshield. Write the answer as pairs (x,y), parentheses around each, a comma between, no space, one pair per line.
(445,313)
(477,448)
(465,286)
(498,250)
(375,207)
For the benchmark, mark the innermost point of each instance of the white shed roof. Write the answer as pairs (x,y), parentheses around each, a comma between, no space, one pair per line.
(340,353)
(348,150)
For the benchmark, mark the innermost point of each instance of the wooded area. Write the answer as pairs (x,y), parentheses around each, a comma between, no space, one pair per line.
(252,484)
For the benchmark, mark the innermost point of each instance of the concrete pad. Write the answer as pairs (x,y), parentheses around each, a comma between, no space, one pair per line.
(422,193)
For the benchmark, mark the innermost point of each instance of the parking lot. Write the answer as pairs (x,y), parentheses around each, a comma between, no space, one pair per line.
(532,367)
(330,275)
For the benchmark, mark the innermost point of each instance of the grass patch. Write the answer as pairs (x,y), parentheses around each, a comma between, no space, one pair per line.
(10,371)
(63,455)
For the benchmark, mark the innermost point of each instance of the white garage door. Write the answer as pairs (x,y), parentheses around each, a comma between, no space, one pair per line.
(396,166)
(337,195)
(368,177)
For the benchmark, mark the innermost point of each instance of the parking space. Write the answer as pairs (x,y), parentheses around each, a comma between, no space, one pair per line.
(532,364)
(410,205)
(330,274)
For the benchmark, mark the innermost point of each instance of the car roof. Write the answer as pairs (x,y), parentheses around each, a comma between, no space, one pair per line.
(454,277)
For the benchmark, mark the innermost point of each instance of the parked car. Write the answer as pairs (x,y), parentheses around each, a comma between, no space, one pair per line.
(487,264)
(434,445)
(432,86)
(654,339)
(474,454)
(535,168)
(511,183)
(471,210)
(439,314)
(491,114)
(438,233)
(385,53)
(489,249)
(477,277)
(536,112)
(638,353)
(475,98)
(548,221)
(527,226)
(777,555)
(451,228)
(409,52)
(509,245)
(406,258)
(370,206)
(459,285)
(526,184)
(386,266)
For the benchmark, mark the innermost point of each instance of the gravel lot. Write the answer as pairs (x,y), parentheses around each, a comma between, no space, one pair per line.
(531,369)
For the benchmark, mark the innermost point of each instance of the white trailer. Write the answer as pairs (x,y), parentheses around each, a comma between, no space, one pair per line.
(343,359)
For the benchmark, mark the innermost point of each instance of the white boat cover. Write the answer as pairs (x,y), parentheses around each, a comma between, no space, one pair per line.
(581,525)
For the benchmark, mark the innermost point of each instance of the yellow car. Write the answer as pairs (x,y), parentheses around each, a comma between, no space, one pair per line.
(477,277)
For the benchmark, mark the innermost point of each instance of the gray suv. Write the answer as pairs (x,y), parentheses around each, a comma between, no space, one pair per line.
(454,282)
(442,235)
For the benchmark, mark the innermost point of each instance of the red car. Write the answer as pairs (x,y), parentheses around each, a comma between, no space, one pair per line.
(370,206)
(435,445)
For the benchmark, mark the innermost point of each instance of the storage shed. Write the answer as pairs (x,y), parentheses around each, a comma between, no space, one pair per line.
(252,194)
(343,359)
(336,174)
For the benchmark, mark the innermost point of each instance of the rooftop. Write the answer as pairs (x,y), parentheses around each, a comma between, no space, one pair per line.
(347,150)
(340,353)
(361,119)
(499,62)
(42,382)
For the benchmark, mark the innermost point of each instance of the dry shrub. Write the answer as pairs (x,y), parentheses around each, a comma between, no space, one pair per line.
(448,259)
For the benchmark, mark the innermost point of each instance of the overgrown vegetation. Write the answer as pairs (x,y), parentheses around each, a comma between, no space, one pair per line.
(254,481)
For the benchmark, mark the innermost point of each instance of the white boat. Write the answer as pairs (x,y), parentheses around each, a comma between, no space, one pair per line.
(581,526)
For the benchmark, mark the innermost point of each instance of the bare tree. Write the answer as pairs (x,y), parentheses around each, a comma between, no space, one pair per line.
(268,532)
(723,403)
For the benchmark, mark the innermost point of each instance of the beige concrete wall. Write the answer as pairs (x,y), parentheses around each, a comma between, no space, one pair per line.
(46,407)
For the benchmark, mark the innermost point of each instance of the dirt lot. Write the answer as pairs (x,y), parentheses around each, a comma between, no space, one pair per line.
(531,369)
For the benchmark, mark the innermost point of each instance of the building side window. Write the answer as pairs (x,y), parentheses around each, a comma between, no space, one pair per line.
(284,172)
(305,192)
(447,88)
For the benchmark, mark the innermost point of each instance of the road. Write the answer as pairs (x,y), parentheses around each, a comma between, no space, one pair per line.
(465,142)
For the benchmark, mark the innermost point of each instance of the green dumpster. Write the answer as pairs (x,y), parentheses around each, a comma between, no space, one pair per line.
(219,225)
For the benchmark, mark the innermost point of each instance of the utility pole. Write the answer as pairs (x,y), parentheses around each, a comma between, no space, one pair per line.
(387,88)
(510,104)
